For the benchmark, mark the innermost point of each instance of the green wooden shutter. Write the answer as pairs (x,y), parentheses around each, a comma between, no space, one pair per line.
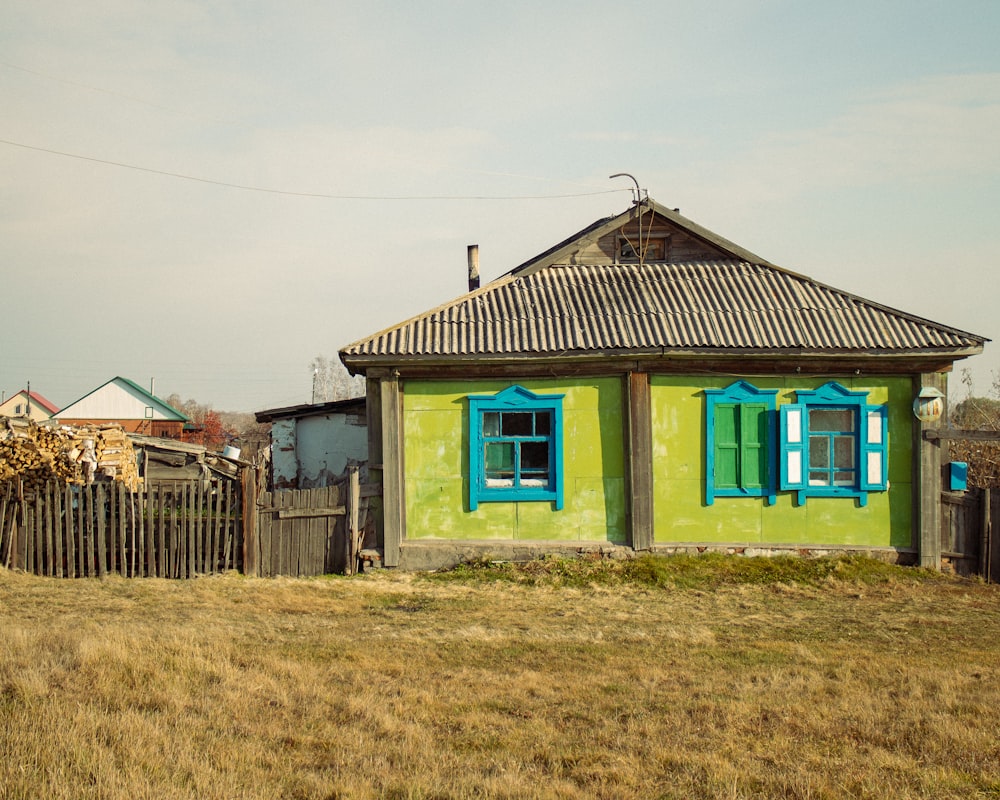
(753,446)
(727,440)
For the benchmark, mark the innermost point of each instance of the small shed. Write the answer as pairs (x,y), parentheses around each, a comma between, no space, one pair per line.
(313,443)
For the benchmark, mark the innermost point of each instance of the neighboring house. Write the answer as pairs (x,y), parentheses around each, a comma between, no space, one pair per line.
(30,405)
(649,385)
(312,444)
(126,403)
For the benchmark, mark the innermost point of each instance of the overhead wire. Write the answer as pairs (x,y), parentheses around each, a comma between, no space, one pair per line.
(160,107)
(322,195)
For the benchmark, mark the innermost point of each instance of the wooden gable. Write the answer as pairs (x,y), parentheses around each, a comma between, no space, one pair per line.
(121,399)
(654,237)
(659,234)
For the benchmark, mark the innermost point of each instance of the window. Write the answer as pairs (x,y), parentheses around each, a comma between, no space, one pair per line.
(834,444)
(654,248)
(740,444)
(515,447)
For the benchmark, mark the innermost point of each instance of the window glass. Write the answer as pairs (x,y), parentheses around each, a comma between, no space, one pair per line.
(843,452)
(500,460)
(535,457)
(543,423)
(831,419)
(819,452)
(843,479)
(516,424)
(491,423)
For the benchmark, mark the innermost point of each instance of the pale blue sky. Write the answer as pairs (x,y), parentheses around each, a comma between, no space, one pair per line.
(856,143)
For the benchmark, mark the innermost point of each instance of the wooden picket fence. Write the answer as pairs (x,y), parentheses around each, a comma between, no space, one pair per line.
(181,529)
(167,529)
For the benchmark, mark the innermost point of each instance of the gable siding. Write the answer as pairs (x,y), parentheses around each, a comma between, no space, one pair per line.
(681,247)
(112,402)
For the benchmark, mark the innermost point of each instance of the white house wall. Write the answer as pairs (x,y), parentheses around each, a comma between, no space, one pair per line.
(284,463)
(114,401)
(10,408)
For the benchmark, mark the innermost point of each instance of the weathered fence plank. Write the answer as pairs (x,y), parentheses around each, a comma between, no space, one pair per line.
(67,502)
(4,532)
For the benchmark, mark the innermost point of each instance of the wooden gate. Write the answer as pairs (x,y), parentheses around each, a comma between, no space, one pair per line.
(304,532)
(970,542)
(301,532)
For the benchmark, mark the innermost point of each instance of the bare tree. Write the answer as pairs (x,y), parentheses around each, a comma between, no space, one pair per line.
(978,414)
(332,381)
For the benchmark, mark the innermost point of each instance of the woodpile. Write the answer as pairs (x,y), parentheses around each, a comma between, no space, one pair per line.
(36,454)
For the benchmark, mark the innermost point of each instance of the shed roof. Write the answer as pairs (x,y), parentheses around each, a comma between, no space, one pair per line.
(350,405)
(550,306)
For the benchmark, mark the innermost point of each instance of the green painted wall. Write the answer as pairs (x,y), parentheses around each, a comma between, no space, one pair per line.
(435,424)
(680,512)
(435,453)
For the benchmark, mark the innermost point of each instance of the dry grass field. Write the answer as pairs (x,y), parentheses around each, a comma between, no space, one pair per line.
(671,678)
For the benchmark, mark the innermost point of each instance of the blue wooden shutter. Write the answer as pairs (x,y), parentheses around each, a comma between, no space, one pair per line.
(793,451)
(874,436)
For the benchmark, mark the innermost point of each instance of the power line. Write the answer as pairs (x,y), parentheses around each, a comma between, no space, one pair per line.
(321,195)
(161,107)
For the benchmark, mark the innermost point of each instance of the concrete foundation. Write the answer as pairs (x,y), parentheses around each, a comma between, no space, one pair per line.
(429,556)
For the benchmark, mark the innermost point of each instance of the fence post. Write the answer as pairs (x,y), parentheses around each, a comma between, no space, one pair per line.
(248,486)
(353,509)
(928,464)
(987,535)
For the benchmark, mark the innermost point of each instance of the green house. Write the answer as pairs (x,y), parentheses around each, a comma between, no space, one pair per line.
(649,385)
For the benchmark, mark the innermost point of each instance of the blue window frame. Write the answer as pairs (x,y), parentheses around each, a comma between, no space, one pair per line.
(515,447)
(740,444)
(833,444)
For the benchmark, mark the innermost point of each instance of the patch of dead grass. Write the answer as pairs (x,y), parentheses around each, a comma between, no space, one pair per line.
(395,686)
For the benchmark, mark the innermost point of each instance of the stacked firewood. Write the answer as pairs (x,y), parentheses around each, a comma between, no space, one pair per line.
(36,454)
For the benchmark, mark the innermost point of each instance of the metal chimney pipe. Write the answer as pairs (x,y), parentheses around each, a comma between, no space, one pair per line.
(473,267)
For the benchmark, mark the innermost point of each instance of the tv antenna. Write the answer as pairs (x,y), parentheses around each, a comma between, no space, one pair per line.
(636,201)
(637,192)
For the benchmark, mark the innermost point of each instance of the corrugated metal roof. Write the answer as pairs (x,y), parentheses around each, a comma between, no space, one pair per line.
(578,309)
